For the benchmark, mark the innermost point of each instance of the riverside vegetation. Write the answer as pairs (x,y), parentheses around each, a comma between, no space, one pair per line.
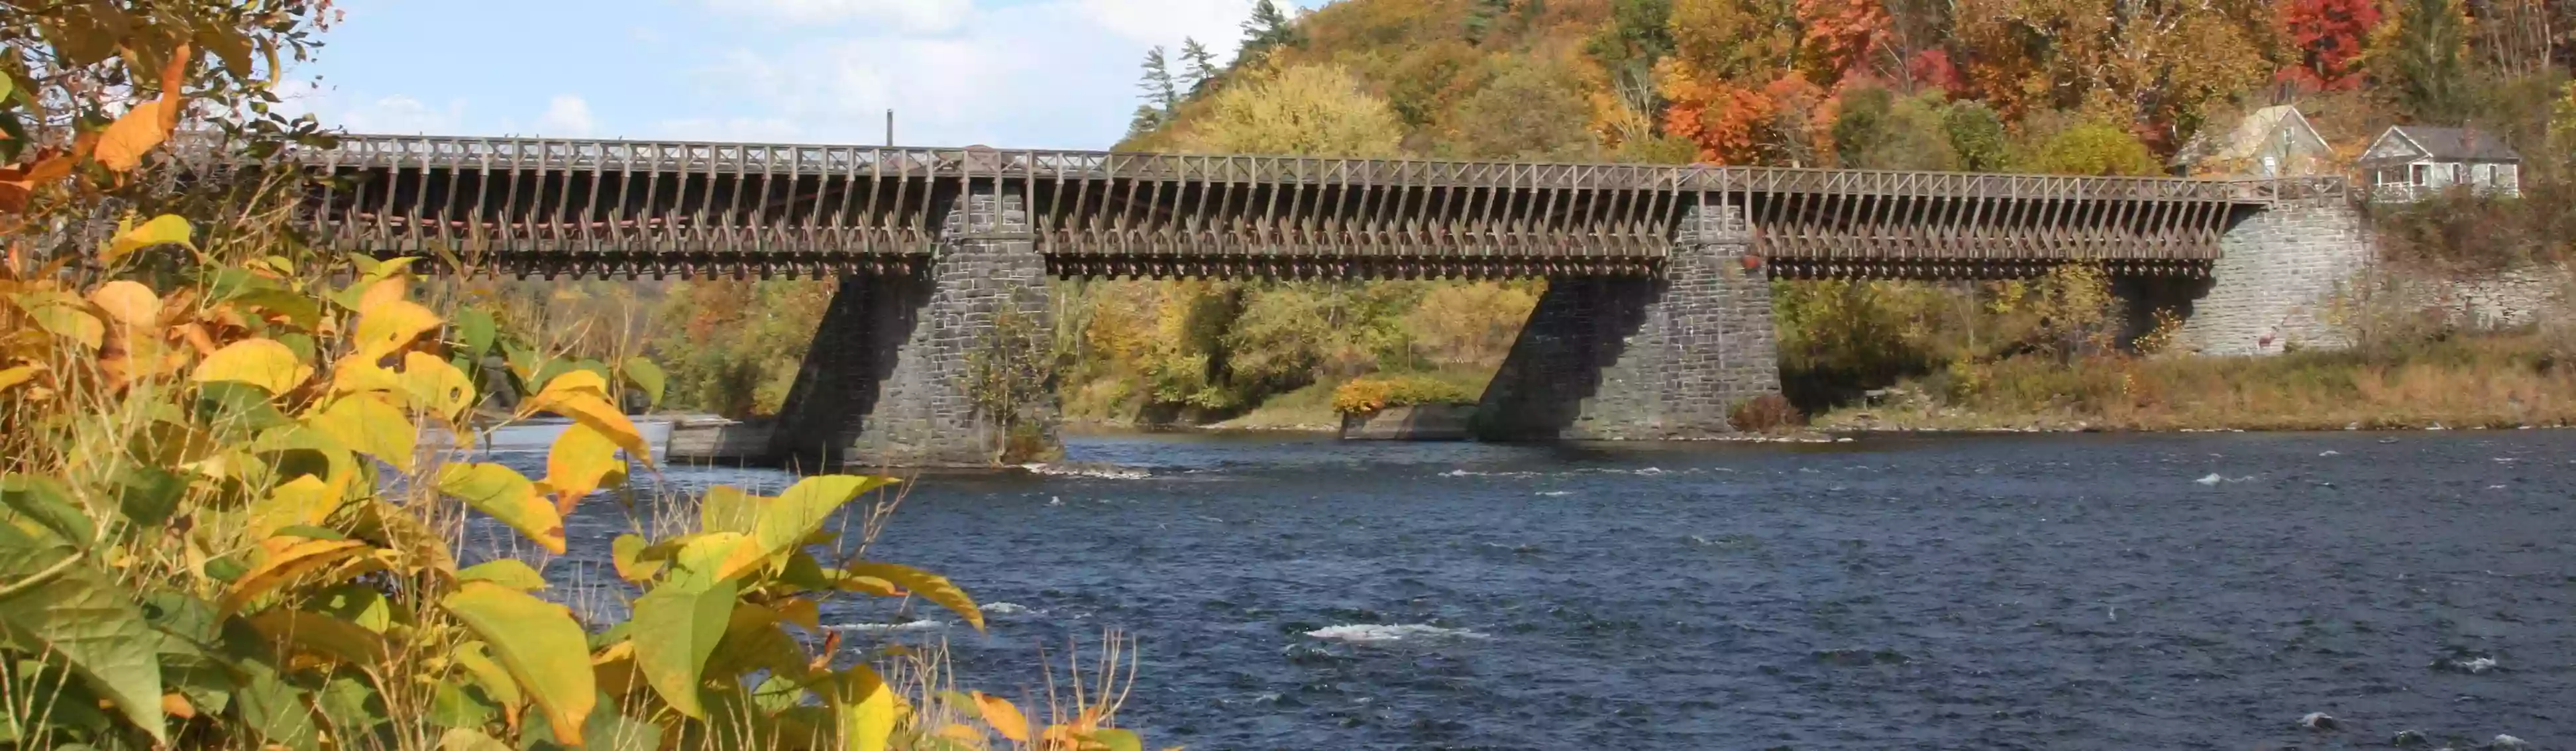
(2086,87)
(234,471)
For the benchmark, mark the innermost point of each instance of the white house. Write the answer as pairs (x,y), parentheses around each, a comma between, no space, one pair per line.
(2413,161)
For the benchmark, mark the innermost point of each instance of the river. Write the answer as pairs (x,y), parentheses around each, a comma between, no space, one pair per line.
(2014,592)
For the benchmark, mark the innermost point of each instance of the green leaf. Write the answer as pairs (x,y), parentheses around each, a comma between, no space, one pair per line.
(677,629)
(476,328)
(725,508)
(929,586)
(147,495)
(236,408)
(646,377)
(359,604)
(46,501)
(1118,740)
(507,572)
(507,496)
(81,616)
(466,739)
(786,521)
(540,644)
(354,709)
(278,710)
(166,229)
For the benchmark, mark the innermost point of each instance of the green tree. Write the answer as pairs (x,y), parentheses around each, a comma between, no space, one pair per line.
(2422,60)
(1158,85)
(1198,67)
(1316,110)
(1976,136)
(2094,148)
(1529,112)
(1267,29)
(1481,15)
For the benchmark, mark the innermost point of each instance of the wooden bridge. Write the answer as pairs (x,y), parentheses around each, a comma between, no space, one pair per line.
(645,208)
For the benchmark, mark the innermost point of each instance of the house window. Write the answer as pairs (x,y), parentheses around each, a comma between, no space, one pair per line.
(2416,174)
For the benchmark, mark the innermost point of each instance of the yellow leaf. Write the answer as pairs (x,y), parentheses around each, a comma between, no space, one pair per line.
(869,585)
(352,375)
(288,558)
(803,613)
(142,129)
(129,303)
(576,381)
(303,500)
(495,679)
(13,376)
(322,635)
(436,387)
(371,426)
(508,496)
(626,552)
(382,289)
(866,708)
(259,362)
(580,462)
(961,733)
(165,229)
(593,410)
(390,325)
(930,586)
(63,315)
(541,645)
(1004,718)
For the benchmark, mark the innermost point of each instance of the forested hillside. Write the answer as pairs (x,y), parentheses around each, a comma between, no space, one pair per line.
(2062,86)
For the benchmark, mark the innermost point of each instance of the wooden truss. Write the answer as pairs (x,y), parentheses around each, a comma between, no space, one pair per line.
(665,208)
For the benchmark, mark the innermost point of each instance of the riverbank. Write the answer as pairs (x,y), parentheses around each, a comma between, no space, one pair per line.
(2506,380)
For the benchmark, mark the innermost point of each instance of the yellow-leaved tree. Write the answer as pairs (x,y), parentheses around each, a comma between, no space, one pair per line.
(235,471)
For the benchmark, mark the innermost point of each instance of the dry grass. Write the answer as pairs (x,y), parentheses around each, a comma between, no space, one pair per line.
(2496,380)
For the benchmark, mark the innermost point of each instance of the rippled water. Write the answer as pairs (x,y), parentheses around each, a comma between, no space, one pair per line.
(2056,592)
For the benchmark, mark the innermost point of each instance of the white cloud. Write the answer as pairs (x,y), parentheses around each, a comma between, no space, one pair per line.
(567,115)
(1050,74)
(910,15)
(395,114)
(743,129)
(1215,23)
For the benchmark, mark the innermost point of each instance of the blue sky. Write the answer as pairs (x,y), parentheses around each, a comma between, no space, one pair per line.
(1012,73)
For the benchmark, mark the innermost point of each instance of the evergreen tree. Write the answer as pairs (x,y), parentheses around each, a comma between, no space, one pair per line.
(1146,120)
(1157,85)
(1267,28)
(1481,15)
(2425,64)
(1201,66)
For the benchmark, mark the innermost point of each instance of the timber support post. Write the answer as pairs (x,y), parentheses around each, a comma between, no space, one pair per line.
(1669,357)
(901,366)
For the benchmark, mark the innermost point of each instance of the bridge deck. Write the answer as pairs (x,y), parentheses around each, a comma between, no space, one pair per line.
(639,207)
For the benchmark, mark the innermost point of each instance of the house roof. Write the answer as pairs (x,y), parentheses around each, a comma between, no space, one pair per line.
(2454,144)
(2249,136)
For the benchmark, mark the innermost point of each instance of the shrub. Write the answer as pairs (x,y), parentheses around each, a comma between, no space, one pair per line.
(1372,393)
(1764,414)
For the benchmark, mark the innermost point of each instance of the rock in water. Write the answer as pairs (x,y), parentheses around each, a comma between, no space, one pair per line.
(2503,741)
(2212,479)
(2318,721)
(2409,739)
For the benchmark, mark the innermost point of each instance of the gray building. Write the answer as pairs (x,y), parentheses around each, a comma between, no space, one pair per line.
(2410,162)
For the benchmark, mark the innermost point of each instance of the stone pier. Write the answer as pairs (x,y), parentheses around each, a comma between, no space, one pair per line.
(2276,284)
(1643,359)
(890,380)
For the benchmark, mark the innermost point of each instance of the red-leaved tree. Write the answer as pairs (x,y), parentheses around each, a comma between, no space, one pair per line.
(2327,36)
